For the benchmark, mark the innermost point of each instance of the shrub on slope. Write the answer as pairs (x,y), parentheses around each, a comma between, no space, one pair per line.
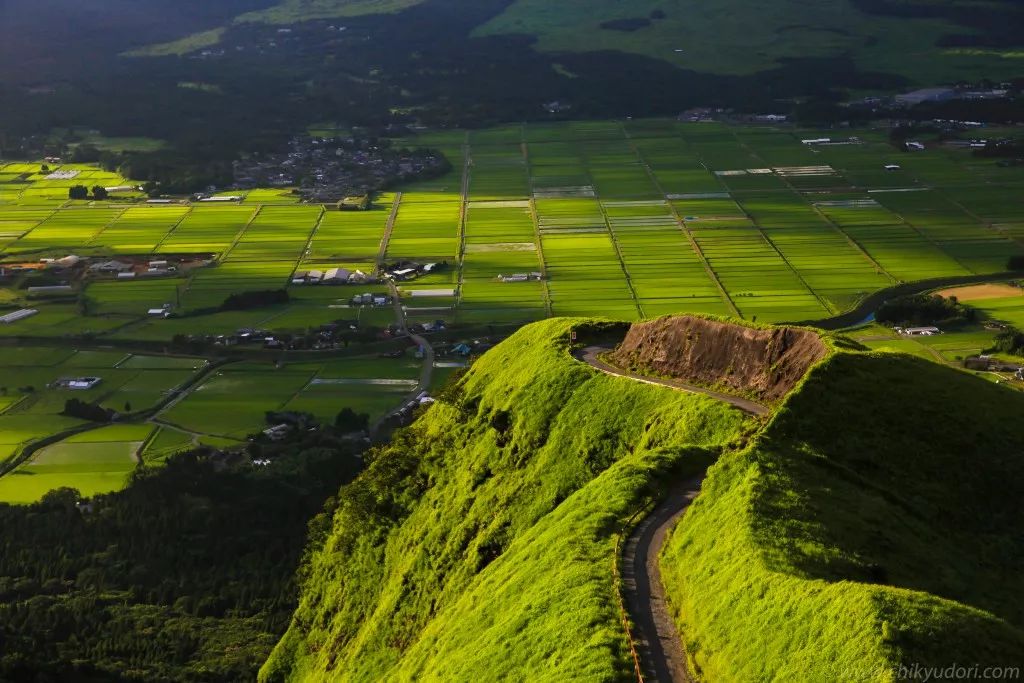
(875,522)
(479,544)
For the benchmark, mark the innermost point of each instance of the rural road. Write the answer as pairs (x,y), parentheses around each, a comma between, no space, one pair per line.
(427,372)
(590,356)
(874,301)
(662,656)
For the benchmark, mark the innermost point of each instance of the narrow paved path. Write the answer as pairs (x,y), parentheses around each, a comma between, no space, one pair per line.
(590,356)
(427,371)
(661,651)
(662,656)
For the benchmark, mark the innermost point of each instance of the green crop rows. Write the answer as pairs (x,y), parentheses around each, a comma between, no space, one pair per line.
(623,220)
(626,220)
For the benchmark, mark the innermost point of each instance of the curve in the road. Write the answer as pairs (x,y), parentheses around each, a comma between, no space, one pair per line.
(427,371)
(591,356)
(661,651)
(659,646)
(874,301)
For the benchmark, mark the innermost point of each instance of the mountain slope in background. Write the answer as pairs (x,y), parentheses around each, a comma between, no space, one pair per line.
(921,41)
(738,37)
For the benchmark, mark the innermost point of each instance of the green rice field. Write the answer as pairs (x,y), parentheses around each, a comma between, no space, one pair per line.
(232,402)
(625,220)
(31,402)
(94,462)
(628,220)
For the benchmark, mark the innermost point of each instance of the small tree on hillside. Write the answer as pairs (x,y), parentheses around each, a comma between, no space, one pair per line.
(78,192)
(100,192)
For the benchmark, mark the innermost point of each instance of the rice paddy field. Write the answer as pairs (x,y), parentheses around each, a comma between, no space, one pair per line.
(626,220)
(31,401)
(629,220)
(232,403)
(98,461)
(221,410)
(94,460)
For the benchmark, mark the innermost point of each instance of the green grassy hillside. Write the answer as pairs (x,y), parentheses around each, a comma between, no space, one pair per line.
(871,523)
(480,543)
(741,37)
(875,522)
(922,41)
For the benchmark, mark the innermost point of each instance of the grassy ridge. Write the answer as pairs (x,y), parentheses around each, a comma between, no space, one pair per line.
(824,552)
(480,542)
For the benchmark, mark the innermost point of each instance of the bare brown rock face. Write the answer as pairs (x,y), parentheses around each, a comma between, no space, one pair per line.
(764,363)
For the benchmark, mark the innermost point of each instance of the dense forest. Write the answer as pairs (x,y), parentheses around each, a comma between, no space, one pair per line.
(187,574)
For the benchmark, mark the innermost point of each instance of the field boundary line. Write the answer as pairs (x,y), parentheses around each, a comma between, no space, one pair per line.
(238,237)
(105,227)
(14,405)
(611,233)
(984,183)
(932,242)
(145,444)
(156,247)
(183,390)
(767,240)
(821,214)
(545,288)
(849,238)
(389,226)
(309,241)
(50,215)
(760,229)
(467,164)
(994,227)
(836,226)
(30,448)
(681,224)
(298,392)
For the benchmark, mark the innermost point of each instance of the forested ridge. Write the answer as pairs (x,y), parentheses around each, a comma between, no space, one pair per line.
(187,574)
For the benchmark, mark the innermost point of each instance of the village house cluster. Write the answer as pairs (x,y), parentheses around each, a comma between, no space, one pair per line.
(410,270)
(79,383)
(331,276)
(57,276)
(331,170)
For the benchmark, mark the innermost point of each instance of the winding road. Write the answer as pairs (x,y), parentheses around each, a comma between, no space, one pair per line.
(591,356)
(662,656)
(658,644)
